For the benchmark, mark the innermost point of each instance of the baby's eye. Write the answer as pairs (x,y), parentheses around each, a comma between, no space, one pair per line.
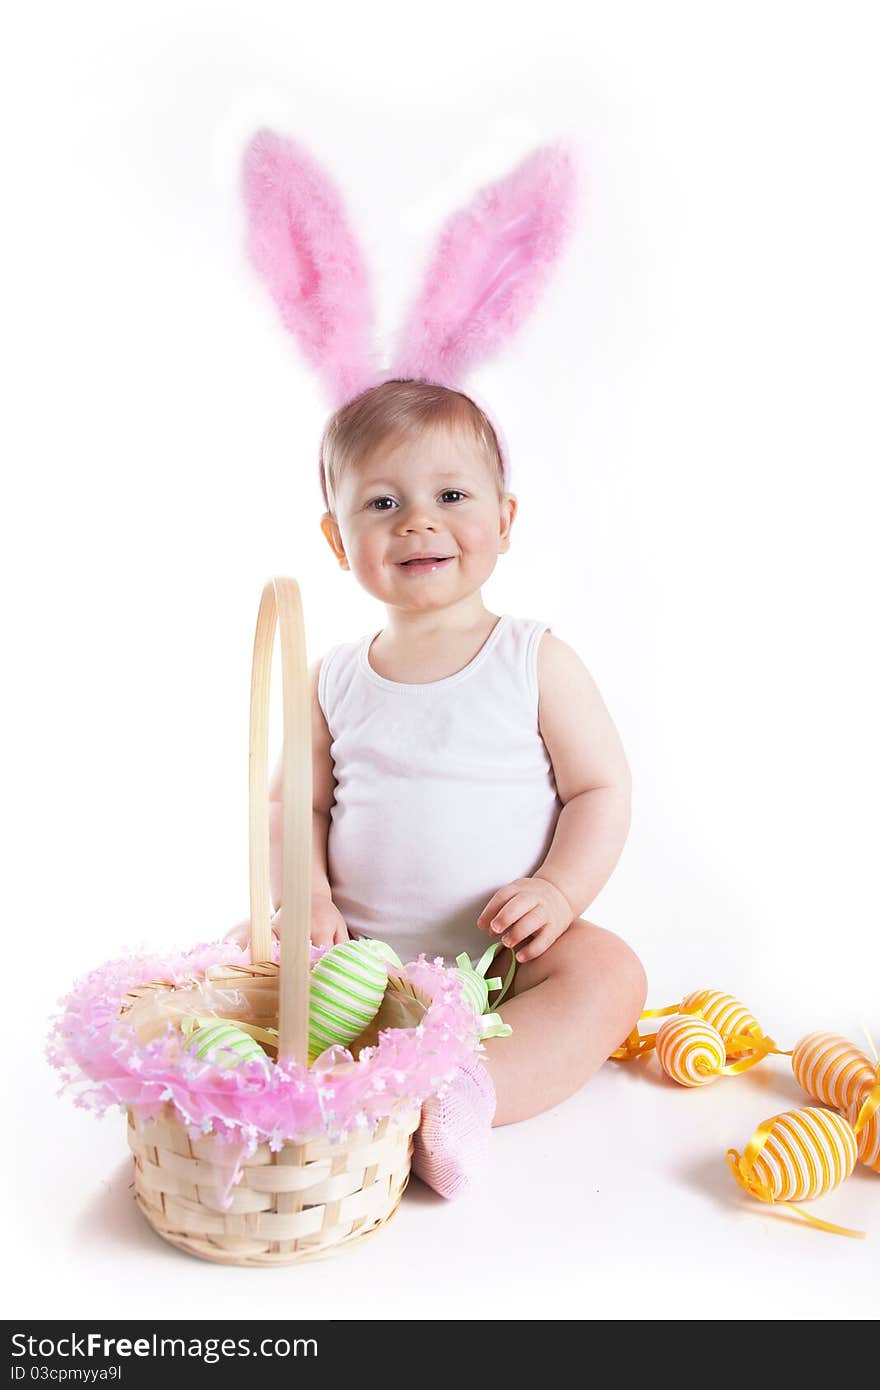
(373,505)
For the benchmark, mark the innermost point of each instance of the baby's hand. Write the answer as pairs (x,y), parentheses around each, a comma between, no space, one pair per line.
(527,907)
(327,925)
(240,934)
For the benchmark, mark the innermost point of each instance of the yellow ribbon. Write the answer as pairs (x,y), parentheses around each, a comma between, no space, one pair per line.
(870,1105)
(759,1046)
(752,1037)
(638,1044)
(764,1047)
(742,1166)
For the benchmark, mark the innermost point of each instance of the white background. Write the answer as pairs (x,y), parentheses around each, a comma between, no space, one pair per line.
(692,420)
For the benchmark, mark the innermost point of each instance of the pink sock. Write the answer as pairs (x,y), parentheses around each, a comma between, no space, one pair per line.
(451,1145)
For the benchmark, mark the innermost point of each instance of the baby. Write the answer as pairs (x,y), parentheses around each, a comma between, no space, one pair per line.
(469,783)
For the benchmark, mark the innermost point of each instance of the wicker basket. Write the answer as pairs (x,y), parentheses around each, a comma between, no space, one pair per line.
(303,1201)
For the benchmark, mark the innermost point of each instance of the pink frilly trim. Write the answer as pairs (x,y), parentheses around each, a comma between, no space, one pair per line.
(100,1056)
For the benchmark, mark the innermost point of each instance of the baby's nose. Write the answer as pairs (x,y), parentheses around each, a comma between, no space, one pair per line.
(418,519)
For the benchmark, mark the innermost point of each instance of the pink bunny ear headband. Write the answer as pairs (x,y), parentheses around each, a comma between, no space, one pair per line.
(488,267)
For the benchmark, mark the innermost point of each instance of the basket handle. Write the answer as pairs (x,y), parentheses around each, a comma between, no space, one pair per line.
(281,605)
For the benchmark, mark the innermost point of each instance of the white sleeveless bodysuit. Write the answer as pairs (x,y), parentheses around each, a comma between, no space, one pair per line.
(444,791)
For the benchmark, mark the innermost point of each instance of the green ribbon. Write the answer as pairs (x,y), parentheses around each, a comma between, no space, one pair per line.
(492,1025)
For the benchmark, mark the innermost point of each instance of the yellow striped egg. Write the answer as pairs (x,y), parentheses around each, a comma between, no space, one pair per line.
(732,1019)
(831,1070)
(346,989)
(808,1152)
(690,1050)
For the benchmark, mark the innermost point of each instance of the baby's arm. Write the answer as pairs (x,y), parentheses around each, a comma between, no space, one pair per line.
(593,781)
(592,776)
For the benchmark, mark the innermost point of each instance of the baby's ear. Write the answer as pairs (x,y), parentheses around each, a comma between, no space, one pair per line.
(509,506)
(332,536)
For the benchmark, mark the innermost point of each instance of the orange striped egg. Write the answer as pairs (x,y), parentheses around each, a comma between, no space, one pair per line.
(803,1154)
(728,1015)
(831,1070)
(690,1050)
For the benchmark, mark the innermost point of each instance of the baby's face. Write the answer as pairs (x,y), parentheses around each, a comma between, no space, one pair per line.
(430,496)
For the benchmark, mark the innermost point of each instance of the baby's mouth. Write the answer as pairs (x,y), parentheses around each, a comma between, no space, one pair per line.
(426,563)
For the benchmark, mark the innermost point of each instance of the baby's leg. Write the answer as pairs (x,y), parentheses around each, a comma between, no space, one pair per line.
(569,1009)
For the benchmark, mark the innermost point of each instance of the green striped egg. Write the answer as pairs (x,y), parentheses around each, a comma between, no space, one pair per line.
(476,990)
(228,1044)
(347,986)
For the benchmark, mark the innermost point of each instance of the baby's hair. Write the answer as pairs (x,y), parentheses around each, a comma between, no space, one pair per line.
(400,409)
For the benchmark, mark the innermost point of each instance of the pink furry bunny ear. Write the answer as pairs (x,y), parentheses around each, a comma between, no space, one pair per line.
(489,265)
(300,241)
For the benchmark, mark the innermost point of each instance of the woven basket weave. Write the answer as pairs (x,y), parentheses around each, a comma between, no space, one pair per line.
(303,1201)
